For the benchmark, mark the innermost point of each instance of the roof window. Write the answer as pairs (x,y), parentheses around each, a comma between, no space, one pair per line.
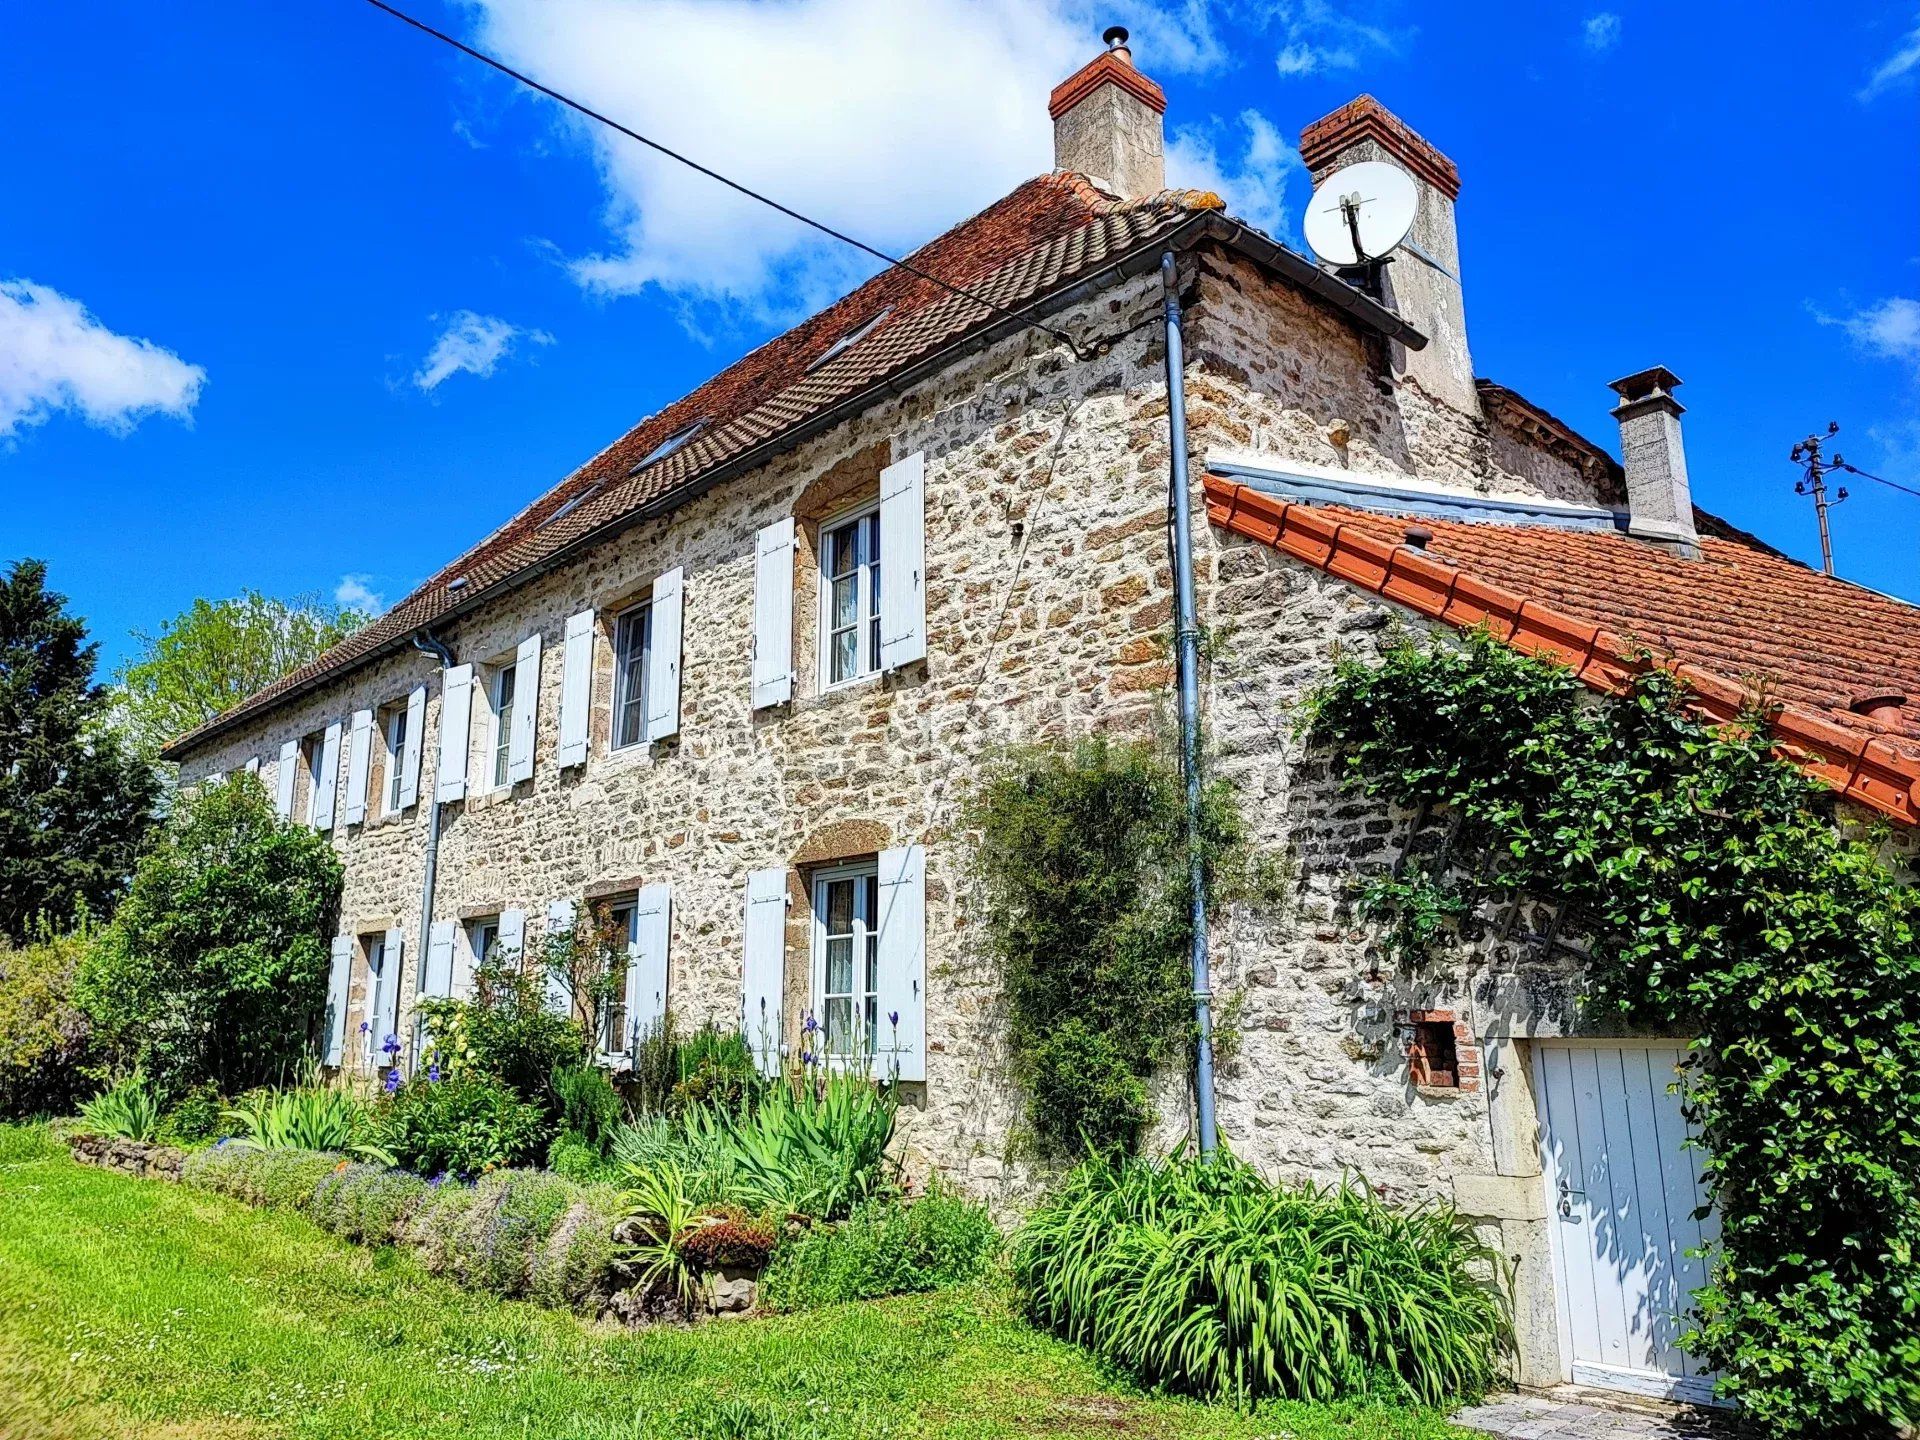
(673,442)
(847,341)
(572,505)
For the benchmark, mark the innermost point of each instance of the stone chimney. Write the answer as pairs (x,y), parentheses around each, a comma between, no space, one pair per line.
(1659,499)
(1425,292)
(1107,123)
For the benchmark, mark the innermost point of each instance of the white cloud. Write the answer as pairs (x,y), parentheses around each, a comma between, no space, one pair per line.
(1317,37)
(356,592)
(1896,67)
(1601,32)
(473,343)
(55,356)
(885,120)
(1255,184)
(1889,329)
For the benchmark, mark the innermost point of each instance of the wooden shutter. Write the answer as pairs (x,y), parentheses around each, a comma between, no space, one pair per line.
(437,982)
(327,781)
(410,747)
(903,546)
(359,765)
(456,713)
(763,967)
(339,972)
(253,765)
(773,615)
(663,664)
(647,960)
(902,1042)
(283,779)
(511,938)
(387,1020)
(526,705)
(576,689)
(560,917)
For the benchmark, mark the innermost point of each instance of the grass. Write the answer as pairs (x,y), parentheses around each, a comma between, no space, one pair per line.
(135,1308)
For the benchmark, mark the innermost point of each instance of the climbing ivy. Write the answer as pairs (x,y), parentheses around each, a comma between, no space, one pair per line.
(1733,903)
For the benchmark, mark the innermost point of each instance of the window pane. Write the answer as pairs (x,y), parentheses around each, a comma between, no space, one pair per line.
(840,965)
(839,1022)
(839,907)
(842,548)
(630,678)
(502,723)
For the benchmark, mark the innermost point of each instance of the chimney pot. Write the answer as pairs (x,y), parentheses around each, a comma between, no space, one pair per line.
(1659,495)
(1115,40)
(1107,123)
(1418,537)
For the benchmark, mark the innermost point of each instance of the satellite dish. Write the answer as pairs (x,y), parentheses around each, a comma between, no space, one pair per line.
(1360,212)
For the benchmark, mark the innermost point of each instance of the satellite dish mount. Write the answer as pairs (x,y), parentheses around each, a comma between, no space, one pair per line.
(1357,217)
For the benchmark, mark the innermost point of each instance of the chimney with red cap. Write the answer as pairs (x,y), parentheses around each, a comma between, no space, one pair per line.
(1107,123)
(1423,282)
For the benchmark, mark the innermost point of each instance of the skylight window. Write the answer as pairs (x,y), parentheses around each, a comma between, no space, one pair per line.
(572,505)
(852,338)
(673,442)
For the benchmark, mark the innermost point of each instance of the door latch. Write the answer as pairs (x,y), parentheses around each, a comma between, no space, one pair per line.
(1567,1192)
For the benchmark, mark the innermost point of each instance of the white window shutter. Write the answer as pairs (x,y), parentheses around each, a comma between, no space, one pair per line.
(283,780)
(253,765)
(663,669)
(456,714)
(359,765)
(576,689)
(386,1021)
(560,918)
(437,983)
(338,973)
(763,967)
(511,938)
(327,782)
(773,615)
(647,960)
(902,1042)
(410,747)
(526,705)
(903,549)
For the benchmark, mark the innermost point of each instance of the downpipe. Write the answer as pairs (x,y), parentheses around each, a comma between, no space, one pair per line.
(1187,647)
(427,644)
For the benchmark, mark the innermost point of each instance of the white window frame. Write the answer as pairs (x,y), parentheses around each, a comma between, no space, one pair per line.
(313,750)
(481,935)
(620,1056)
(375,946)
(867,599)
(499,757)
(865,936)
(394,733)
(641,615)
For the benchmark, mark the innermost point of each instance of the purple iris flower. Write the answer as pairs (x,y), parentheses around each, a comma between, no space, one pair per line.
(433,1073)
(893,1018)
(806,1057)
(364,1027)
(811,1024)
(393,1079)
(391,1045)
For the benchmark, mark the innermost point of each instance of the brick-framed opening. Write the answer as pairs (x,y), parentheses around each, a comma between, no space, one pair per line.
(1441,1051)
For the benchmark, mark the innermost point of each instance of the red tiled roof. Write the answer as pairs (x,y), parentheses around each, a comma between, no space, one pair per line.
(1737,619)
(1048,232)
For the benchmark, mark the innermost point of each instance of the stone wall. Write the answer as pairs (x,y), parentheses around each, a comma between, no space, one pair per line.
(140,1158)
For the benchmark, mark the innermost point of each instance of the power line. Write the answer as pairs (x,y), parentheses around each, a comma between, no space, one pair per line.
(712,174)
(1840,464)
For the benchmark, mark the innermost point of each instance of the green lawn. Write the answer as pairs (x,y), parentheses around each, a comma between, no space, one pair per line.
(134,1308)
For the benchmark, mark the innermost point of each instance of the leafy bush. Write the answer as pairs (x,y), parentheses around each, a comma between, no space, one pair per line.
(729,1240)
(1200,1276)
(505,1031)
(884,1248)
(589,1109)
(1726,903)
(1082,859)
(580,1162)
(197,1117)
(45,1037)
(709,1066)
(308,1117)
(215,966)
(128,1110)
(463,1124)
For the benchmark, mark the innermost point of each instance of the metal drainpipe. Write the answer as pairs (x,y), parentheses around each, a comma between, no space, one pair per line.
(1187,644)
(426,643)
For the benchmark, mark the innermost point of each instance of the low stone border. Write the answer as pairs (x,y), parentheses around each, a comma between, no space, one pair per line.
(143,1158)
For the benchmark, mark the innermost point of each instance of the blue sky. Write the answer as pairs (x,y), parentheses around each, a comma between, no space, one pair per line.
(292,298)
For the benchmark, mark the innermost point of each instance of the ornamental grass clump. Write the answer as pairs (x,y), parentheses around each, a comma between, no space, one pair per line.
(307,1117)
(126,1110)
(1200,1276)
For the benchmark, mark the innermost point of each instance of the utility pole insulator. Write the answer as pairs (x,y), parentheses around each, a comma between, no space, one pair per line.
(1813,482)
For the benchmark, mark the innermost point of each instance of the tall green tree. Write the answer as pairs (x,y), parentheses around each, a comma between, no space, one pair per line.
(74,804)
(210,657)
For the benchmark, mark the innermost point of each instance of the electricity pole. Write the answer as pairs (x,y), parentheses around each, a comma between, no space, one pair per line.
(1814,483)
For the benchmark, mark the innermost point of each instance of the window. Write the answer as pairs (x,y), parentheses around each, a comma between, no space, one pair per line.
(313,751)
(571,505)
(377,1005)
(1432,1055)
(850,598)
(846,961)
(498,756)
(673,442)
(483,938)
(632,655)
(852,338)
(396,732)
(621,935)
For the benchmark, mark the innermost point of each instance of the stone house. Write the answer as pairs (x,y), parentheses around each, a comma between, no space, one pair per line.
(726,683)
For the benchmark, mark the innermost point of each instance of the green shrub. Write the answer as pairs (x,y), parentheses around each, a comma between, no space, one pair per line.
(709,1066)
(588,1107)
(127,1110)
(1201,1277)
(1082,863)
(580,1162)
(730,1240)
(45,1037)
(884,1248)
(271,1179)
(215,966)
(505,1031)
(366,1204)
(197,1118)
(307,1117)
(463,1124)
(493,1234)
